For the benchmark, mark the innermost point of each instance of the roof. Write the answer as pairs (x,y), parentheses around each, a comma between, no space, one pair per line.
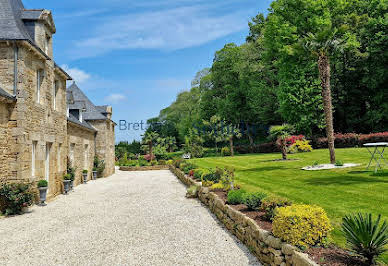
(91,112)
(5,94)
(32,14)
(84,123)
(11,24)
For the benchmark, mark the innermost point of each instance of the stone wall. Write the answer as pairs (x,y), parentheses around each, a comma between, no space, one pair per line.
(105,144)
(269,249)
(7,156)
(81,150)
(32,120)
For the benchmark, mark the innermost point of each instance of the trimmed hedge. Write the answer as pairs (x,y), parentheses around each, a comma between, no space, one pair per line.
(350,140)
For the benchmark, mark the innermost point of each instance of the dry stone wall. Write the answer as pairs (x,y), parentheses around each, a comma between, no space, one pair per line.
(269,249)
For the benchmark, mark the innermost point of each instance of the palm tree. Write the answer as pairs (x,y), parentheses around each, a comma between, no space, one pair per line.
(281,133)
(171,143)
(321,45)
(149,138)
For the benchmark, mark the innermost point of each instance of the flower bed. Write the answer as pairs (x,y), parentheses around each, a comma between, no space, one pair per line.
(255,230)
(143,168)
(269,249)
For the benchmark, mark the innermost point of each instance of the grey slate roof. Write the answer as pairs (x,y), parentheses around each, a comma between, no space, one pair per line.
(5,94)
(11,24)
(92,112)
(32,14)
(84,123)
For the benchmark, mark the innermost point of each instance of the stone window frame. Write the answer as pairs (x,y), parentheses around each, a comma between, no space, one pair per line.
(86,156)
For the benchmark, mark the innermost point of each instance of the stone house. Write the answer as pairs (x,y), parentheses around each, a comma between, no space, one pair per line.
(41,122)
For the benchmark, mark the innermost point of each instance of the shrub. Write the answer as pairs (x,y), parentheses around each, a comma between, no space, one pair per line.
(301,225)
(84,171)
(198,174)
(339,163)
(292,139)
(187,167)
(236,197)
(143,162)
(210,175)
(15,197)
(227,178)
(177,162)
(207,183)
(217,187)
(365,236)
(270,204)
(225,151)
(192,192)
(99,165)
(44,183)
(132,163)
(162,162)
(67,177)
(154,162)
(253,200)
(170,162)
(301,146)
(148,157)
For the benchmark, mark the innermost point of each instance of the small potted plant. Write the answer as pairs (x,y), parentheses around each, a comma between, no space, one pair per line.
(95,171)
(85,176)
(42,186)
(66,183)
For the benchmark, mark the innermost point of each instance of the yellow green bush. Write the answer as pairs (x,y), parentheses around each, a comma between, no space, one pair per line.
(301,225)
(207,183)
(301,146)
(217,187)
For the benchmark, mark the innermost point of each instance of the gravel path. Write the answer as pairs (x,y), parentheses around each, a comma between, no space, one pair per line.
(131,218)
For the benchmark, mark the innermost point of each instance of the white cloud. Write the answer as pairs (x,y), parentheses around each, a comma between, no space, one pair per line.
(77,74)
(115,98)
(169,29)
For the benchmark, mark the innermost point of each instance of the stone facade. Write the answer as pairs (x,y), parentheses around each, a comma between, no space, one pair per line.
(37,133)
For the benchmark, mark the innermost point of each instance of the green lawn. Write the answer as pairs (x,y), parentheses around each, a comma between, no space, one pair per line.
(338,191)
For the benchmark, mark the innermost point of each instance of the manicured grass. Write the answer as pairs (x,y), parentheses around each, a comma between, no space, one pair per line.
(338,191)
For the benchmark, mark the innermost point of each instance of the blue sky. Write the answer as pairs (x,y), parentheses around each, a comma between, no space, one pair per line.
(137,55)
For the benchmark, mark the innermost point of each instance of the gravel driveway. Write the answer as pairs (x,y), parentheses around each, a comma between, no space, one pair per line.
(131,218)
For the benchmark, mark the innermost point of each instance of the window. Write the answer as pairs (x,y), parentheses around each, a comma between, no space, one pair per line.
(59,157)
(56,86)
(86,156)
(47,44)
(72,145)
(39,77)
(33,157)
(47,163)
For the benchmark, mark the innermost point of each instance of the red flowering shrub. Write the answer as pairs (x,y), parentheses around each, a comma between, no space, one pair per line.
(352,140)
(148,157)
(191,173)
(373,137)
(292,139)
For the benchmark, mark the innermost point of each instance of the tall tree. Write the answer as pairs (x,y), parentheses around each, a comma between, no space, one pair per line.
(312,25)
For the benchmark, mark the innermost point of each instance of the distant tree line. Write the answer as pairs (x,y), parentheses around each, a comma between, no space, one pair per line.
(302,58)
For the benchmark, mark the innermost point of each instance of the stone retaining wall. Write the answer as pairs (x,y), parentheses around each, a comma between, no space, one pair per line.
(269,249)
(143,168)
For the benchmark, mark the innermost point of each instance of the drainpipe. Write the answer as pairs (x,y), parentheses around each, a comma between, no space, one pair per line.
(15,69)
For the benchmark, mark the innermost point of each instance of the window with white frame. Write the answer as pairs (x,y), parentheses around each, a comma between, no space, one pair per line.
(72,145)
(39,78)
(59,157)
(86,156)
(33,158)
(56,87)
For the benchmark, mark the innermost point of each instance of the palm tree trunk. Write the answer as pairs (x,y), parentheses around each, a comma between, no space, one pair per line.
(283,148)
(231,146)
(324,74)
